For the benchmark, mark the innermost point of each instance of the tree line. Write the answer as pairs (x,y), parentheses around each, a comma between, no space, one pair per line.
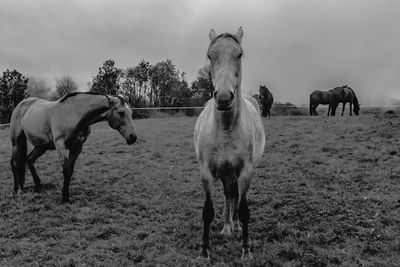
(144,85)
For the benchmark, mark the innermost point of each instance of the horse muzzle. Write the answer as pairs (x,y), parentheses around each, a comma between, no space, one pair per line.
(224,100)
(130,139)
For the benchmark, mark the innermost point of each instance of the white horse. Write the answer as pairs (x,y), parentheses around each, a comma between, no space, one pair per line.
(229,139)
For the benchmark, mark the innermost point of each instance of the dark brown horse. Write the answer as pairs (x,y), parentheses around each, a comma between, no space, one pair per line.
(344,94)
(62,125)
(318,97)
(266,100)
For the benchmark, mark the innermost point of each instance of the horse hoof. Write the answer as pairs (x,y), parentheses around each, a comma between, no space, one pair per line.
(38,189)
(204,255)
(237,227)
(66,200)
(246,255)
(203,258)
(226,230)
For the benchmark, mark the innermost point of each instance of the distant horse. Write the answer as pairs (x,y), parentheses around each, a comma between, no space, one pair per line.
(266,100)
(344,94)
(316,98)
(229,139)
(62,125)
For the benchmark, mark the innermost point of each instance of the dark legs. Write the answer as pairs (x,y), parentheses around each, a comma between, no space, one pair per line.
(350,105)
(17,162)
(236,207)
(344,104)
(244,215)
(68,163)
(313,109)
(208,216)
(231,206)
(236,224)
(32,157)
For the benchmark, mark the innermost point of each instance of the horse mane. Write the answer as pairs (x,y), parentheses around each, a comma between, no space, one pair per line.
(69,95)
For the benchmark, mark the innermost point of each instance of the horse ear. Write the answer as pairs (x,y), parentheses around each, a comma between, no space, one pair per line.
(239,34)
(122,99)
(212,35)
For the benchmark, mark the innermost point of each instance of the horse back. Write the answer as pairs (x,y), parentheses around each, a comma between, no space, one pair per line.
(320,97)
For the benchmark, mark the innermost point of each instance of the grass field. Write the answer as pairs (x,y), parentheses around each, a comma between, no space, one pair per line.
(326,193)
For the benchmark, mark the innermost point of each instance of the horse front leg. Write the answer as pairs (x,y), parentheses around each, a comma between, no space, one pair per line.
(244,213)
(228,192)
(236,223)
(68,163)
(344,104)
(208,215)
(31,159)
(350,105)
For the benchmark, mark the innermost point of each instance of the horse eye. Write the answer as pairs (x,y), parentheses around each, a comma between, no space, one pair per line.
(240,55)
(209,57)
(121,113)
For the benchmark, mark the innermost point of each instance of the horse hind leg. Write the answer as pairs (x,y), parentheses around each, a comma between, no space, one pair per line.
(31,159)
(18,158)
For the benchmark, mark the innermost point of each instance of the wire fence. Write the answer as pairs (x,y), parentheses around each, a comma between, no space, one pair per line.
(177,109)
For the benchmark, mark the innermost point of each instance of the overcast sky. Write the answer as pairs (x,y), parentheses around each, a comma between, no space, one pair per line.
(294,47)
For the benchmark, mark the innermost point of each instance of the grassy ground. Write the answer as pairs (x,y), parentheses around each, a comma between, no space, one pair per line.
(326,193)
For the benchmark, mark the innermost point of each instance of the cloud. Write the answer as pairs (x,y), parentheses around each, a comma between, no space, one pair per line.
(292,46)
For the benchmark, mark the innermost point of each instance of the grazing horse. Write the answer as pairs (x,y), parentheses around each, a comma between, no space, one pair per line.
(62,125)
(319,97)
(344,94)
(266,100)
(229,139)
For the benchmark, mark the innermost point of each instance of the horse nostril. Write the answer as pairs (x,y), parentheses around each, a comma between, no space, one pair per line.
(232,96)
(131,139)
(215,94)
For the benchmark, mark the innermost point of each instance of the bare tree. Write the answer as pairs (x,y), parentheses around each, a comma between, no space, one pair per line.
(65,85)
(38,87)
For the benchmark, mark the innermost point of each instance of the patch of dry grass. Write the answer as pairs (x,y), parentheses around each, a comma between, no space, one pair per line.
(326,193)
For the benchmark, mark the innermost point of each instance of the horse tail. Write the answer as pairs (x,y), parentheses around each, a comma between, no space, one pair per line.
(311,107)
(19,150)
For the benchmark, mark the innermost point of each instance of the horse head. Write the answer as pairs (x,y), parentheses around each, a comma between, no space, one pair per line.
(119,117)
(263,91)
(356,109)
(225,52)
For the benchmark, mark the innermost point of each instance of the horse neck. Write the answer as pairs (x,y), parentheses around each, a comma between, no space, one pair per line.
(91,108)
(355,100)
